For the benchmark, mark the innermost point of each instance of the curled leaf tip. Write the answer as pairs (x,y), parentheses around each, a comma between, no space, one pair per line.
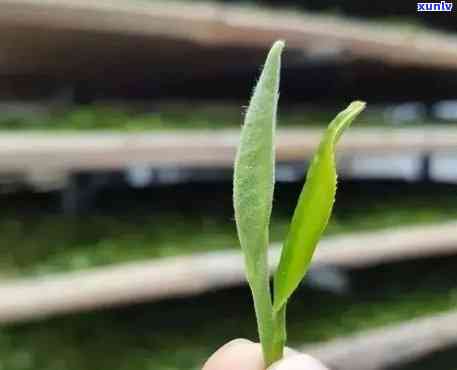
(345,118)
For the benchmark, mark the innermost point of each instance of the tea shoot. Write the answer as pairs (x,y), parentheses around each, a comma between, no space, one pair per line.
(253,188)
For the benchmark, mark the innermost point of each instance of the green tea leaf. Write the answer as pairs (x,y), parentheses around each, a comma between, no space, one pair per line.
(254,165)
(313,210)
(253,191)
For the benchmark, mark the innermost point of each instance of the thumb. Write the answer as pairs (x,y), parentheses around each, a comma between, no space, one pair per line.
(298,362)
(239,354)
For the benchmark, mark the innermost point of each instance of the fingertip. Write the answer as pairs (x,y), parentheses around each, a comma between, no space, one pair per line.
(235,355)
(290,352)
(238,342)
(298,362)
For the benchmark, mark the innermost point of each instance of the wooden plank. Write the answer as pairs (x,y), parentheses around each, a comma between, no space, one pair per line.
(78,33)
(392,345)
(26,299)
(32,152)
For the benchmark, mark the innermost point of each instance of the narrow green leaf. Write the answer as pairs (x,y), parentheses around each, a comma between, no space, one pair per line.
(313,210)
(253,192)
(254,165)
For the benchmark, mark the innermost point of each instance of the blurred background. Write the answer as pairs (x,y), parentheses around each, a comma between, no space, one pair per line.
(119,122)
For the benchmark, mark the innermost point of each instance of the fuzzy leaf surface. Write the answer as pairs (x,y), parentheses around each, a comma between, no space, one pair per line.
(254,165)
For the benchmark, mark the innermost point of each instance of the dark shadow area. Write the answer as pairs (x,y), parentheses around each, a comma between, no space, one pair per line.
(114,196)
(442,360)
(321,82)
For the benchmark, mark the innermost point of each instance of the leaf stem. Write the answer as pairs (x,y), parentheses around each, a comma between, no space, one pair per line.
(266,333)
(280,334)
(271,324)
(260,287)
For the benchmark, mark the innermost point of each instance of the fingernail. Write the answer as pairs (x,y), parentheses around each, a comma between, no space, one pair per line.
(298,362)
